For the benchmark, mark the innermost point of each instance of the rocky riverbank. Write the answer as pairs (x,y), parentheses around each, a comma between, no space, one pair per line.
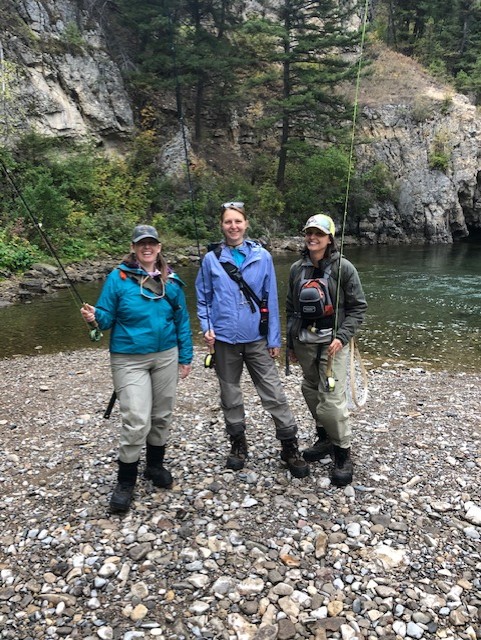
(254,555)
(43,279)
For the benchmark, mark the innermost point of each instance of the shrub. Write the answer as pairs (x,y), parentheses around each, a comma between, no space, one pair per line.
(16,254)
(439,155)
(423,109)
(317,184)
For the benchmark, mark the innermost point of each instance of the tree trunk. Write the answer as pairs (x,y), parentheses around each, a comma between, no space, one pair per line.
(286,92)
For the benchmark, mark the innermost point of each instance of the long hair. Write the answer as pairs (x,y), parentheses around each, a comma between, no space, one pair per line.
(161,265)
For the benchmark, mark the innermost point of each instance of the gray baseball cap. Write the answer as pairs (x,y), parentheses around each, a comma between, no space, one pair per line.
(142,231)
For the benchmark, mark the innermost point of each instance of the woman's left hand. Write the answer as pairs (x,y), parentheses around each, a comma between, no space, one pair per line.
(184,370)
(335,346)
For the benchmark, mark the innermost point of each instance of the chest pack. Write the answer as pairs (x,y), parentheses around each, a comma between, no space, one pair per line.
(314,297)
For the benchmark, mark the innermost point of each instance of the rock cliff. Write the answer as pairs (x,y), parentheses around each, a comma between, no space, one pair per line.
(428,139)
(62,80)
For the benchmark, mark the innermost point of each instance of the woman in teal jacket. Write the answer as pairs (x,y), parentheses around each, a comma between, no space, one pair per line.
(143,305)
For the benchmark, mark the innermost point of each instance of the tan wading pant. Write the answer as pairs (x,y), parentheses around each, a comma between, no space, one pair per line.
(146,386)
(328,408)
(229,361)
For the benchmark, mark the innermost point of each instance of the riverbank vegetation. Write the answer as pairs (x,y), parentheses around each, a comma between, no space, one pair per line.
(291,66)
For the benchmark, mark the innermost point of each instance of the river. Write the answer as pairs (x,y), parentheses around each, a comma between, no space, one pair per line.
(424,308)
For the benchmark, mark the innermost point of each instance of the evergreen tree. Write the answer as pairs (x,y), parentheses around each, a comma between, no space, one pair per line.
(189,43)
(310,41)
(444,35)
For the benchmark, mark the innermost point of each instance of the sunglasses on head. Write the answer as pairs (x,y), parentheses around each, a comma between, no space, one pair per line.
(233,205)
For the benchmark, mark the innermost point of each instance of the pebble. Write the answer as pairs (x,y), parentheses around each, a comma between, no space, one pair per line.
(255,555)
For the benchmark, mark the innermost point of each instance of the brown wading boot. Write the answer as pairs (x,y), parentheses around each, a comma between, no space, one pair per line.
(321,448)
(238,452)
(155,469)
(342,470)
(291,456)
(124,489)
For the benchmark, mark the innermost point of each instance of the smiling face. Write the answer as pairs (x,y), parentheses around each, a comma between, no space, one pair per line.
(146,252)
(234,226)
(316,242)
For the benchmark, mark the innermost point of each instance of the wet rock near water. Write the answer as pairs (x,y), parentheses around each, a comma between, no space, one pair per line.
(43,278)
(252,555)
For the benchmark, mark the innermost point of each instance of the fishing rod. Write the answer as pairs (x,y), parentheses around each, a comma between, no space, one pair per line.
(209,359)
(94,333)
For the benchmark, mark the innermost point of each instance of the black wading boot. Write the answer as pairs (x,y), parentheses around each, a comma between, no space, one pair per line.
(291,456)
(342,470)
(238,452)
(155,469)
(124,489)
(321,448)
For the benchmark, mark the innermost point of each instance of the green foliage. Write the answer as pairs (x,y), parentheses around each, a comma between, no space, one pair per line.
(375,185)
(471,83)
(16,254)
(307,42)
(439,156)
(86,203)
(379,182)
(72,36)
(45,197)
(11,113)
(438,160)
(316,185)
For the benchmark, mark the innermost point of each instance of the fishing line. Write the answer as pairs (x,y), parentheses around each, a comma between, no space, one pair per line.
(209,359)
(95,333)
(351,150)
(353,347)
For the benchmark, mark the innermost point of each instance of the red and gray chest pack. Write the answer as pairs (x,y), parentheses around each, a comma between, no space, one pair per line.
(314,297)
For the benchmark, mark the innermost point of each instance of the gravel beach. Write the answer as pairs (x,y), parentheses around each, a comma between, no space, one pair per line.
(252,555)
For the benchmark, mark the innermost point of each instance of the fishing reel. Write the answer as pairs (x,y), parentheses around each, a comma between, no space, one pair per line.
(209,361)
(330,383)
(95,334)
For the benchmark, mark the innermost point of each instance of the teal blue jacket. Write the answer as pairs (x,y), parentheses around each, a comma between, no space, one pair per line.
(139,322)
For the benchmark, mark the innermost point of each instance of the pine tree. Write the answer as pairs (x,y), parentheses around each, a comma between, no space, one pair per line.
(187,43)
(307,65)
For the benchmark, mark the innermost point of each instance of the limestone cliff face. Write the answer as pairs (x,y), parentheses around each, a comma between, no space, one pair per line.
(431,203)
(429,139)
(63,82)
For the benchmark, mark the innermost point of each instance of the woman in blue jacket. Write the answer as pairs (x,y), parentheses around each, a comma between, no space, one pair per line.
(143,304)
(232,323)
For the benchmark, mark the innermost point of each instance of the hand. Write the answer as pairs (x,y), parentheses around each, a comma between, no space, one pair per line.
(335,346)
(184,370)
(291,354)
(88,312)
(209,337)
(273,352)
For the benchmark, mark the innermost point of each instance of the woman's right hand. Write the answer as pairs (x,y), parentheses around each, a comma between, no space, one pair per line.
(88,312)
(291,354)
(209,337)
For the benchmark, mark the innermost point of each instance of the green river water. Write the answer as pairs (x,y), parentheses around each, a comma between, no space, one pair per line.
(424,308)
